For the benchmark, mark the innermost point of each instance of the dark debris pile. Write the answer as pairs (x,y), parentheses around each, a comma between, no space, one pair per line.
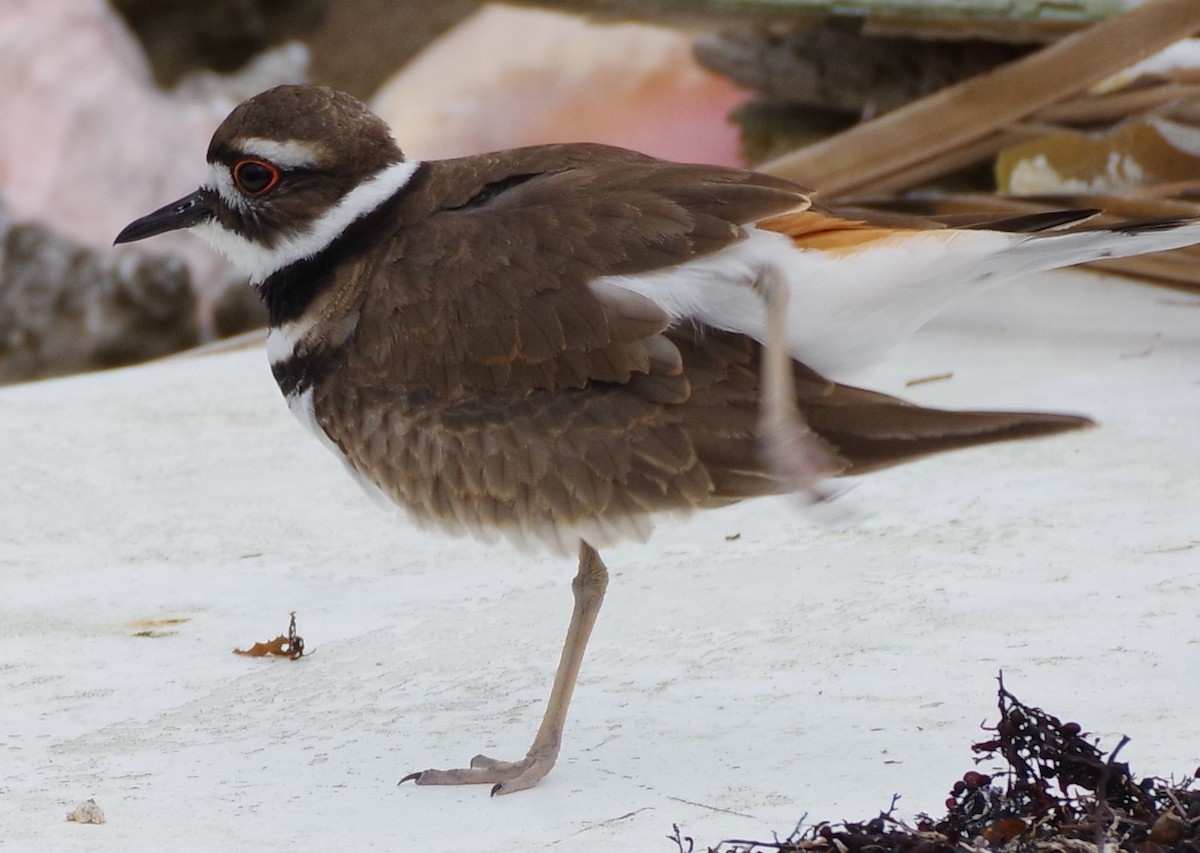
(1059,794)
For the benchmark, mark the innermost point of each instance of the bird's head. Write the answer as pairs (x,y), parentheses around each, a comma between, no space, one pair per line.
(289,170)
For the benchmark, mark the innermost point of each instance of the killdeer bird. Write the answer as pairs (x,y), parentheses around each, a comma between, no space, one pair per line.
(556,344)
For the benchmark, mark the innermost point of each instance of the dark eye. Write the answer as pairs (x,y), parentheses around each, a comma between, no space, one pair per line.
(255,177)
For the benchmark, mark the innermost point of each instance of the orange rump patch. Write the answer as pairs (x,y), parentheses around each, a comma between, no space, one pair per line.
(812,229)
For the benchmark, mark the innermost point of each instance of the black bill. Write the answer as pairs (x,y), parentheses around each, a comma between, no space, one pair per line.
(188,211)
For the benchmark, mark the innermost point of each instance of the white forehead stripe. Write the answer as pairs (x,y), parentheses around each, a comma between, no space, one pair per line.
(221,180)
(286,154)
(260,261)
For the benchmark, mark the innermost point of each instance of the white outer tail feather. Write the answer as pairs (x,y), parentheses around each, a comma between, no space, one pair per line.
(1051,251)
(848,310)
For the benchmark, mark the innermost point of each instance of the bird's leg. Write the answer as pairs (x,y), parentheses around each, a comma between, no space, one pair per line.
(791,451)
(508,776)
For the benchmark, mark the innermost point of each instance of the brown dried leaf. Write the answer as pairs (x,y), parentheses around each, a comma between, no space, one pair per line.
(278,646)
(1003,831)
(1168,829)
(291,646)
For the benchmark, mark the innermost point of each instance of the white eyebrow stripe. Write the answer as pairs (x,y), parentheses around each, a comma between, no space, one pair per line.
(286,154)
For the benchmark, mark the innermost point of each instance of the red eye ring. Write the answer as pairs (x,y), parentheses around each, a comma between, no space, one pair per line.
(255,177)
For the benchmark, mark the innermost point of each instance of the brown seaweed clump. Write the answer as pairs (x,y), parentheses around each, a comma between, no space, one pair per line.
(1059,793)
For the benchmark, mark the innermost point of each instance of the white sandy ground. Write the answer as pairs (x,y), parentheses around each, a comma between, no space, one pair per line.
(732,686)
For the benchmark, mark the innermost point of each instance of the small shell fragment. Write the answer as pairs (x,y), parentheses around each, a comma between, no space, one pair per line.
(86,812)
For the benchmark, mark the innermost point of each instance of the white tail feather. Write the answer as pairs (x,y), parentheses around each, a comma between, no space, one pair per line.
(848,309)
(1038,252)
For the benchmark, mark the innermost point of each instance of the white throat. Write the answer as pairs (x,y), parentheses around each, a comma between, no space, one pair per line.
(260,262)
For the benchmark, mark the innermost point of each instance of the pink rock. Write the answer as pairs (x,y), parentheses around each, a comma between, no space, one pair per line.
(507,77)
(88,142)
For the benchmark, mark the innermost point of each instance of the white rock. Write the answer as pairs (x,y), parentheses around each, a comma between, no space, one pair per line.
(87,812)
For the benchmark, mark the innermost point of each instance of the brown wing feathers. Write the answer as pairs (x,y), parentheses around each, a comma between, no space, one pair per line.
(502,386)
(866,429)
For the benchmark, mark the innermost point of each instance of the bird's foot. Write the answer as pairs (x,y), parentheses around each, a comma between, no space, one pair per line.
(505,777)
(796,456)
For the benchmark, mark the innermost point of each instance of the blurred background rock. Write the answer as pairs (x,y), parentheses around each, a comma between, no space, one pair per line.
(66,308)
(108,108)
(355,44)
